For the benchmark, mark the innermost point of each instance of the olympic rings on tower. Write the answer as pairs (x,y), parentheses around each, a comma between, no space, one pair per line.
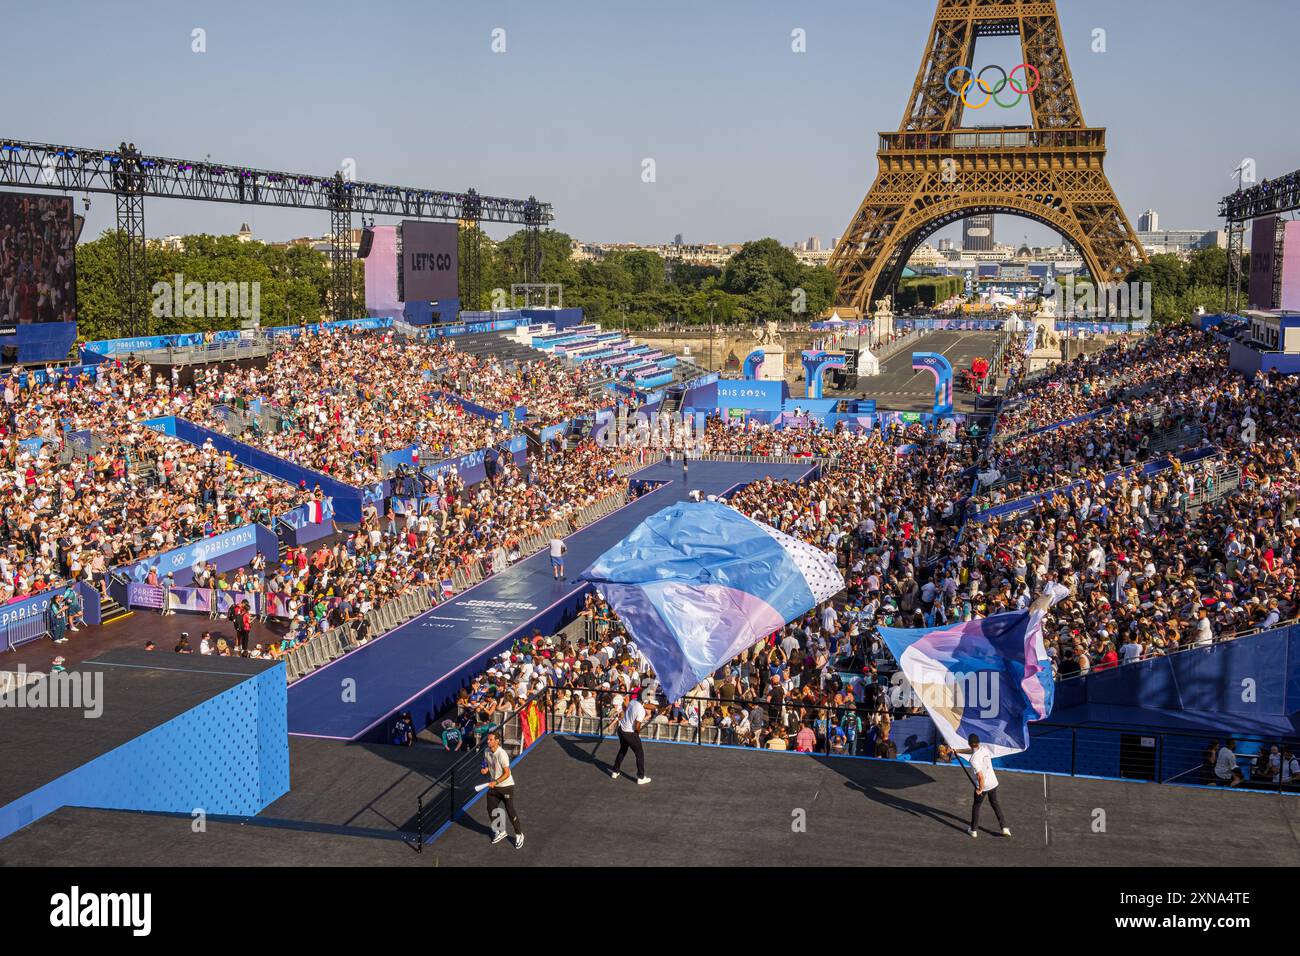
(991,92)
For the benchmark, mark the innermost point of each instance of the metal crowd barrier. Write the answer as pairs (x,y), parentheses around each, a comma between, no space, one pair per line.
(333,644)
(320,650)
(763,459)
(26,630)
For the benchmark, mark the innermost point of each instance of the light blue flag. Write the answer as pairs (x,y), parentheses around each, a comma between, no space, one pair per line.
(697,583)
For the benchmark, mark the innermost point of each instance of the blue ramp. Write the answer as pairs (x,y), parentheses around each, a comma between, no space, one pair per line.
(420,665)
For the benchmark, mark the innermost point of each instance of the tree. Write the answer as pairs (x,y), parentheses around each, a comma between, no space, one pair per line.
(756,261)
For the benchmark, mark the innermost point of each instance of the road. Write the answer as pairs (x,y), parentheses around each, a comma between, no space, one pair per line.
(899,388)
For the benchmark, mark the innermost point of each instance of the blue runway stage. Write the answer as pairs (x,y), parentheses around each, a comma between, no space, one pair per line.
(420,665)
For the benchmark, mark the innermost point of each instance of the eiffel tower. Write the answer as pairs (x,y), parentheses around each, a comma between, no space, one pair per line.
(934,172)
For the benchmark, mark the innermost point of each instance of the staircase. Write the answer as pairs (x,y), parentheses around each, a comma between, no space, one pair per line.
(110,611)
(672,403)
(1223,481)
(533,436)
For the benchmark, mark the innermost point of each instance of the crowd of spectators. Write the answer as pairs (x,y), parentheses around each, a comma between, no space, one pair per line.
(340,400)
(73,511)
(785,693)
(1153,557)
(1152,562)
(551,390)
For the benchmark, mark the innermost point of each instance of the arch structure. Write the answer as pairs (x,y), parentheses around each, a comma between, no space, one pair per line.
(815,364)
(934,171)
(941,369)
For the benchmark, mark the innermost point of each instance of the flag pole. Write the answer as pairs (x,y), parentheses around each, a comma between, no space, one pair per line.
(964,769)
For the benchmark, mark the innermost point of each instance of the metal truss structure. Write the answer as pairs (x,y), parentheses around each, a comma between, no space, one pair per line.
(1272,197)
(133,177)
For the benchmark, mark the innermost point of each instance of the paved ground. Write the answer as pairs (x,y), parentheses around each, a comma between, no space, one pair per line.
(899,388)
(706,806)
(721,806)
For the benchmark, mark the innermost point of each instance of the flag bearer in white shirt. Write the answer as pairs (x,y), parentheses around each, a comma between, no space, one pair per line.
(986,784)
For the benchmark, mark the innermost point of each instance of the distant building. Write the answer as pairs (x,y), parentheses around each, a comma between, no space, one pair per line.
(977,233)
(814,244)
(925,257)
(945,245)
(695,254)
(1181,241)
(245,234)
(1149,221)
(813,257)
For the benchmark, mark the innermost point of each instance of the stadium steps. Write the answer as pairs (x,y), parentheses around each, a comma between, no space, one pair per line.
(1226,481)
(110,611)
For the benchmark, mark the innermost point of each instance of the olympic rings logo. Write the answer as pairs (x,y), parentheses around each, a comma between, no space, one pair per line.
(991,92)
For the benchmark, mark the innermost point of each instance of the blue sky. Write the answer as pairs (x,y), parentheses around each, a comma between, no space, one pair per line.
(749,138)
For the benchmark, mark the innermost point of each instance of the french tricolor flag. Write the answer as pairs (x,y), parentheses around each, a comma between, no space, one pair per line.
(316,511)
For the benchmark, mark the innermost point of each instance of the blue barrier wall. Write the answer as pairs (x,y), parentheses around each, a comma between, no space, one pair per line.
(295,528)
(45,341)
(500,418)
(228,550)
(562,318)
(97,350)
(17,618)
(1257,675)
(192,760)
(348,500)
(472,468)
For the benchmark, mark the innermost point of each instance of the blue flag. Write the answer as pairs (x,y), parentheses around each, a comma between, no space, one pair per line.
(697,583)
(990,676)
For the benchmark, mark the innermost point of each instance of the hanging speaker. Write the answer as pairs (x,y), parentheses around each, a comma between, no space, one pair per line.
(367,238)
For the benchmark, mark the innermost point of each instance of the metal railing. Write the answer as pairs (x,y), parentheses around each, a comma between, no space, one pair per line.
(26,630)
(884,353)
(1105,751)
(316,652)
(764,459)
(444,799)
(230,350)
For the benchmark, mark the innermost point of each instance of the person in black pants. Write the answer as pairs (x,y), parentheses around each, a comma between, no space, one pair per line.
(986,785)
(501,791)
(629,738)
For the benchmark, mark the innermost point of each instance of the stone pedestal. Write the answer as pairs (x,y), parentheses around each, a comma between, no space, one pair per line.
(1047,341)
(882,321)
(773,367)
